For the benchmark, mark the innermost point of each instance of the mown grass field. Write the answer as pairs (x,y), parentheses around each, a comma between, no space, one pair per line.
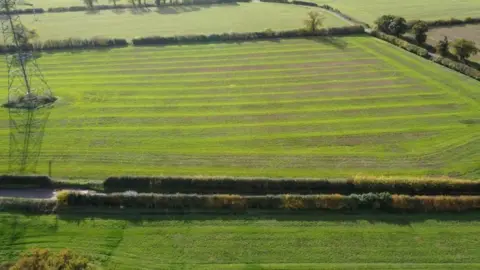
(470,32)
(247,242)
(325,107)
(171,21)
(369,10)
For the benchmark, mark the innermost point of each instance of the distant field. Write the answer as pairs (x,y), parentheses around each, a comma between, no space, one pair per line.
(196,242)
(369,10)
(170,21)
(470,32)
(326,107)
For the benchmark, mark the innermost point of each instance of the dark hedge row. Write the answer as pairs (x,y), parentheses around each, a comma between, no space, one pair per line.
(112,7)
(26,11)
(14,181)
(236,203)
(69,43)
(239,37)
(402,44)
(457,66)
(262,186)
(450,22)
(37,206)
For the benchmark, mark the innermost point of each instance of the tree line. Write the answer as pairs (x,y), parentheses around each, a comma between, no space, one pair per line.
(397,26)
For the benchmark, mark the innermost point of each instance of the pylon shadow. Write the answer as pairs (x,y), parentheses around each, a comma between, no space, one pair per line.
(27,128)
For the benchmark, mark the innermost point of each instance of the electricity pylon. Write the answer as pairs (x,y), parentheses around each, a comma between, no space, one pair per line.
(29,96)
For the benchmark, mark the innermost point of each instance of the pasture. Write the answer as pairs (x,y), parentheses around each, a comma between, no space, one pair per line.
(332,241)
(470,32)
(171,21)
(317,108)
(369,10)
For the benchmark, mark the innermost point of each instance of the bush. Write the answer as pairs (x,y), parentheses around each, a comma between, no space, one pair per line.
(276,1)
(262,186)
(37,206)
(451,22)
(76,43)
(435,203)
(227,37)
(43,259)
(26,11)
(402,44)
(235,203)
(304,3)
(462,68)
(14,181)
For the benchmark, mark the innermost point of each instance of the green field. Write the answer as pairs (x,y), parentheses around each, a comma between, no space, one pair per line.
(170,21)
(246,242)
(369,10)
(325,107)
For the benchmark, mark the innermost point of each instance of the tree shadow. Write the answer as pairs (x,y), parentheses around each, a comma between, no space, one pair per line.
(331,41)
(138,216)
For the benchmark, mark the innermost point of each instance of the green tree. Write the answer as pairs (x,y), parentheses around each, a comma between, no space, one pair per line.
(314,21)
(442,46)
(420,30)
(392,25)
(463,49)
(398,26)
(383,23)
(43,259)
(90,3)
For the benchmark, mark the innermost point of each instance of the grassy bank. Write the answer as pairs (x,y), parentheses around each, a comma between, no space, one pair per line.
(253,242)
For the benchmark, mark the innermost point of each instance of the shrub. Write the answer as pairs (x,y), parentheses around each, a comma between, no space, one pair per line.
(43,259)
(276,1)
(462,68)
(451,22)
(262,186)
(402,44)
(228,37)
(304,3)
(334,202)
(14,181)
(40,206)
(76,43)
(443,46)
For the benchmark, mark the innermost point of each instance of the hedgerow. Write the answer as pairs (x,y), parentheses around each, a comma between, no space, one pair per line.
(333,202)
(262,186)
(450,22)
(457,66)
(69,43)
(25,181)
(402,44)
(226,37)
(36,206)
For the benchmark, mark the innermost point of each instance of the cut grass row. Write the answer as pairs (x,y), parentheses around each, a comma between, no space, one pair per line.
(253,242)
(280,112)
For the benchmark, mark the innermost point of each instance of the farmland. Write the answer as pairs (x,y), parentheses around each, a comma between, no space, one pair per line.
(369,10)
(322,107)
(470,32)
(170,21)
(250,242)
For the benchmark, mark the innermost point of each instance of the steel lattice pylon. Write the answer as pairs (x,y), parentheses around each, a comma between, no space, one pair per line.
(29,96)
(25,80)
(26,136)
